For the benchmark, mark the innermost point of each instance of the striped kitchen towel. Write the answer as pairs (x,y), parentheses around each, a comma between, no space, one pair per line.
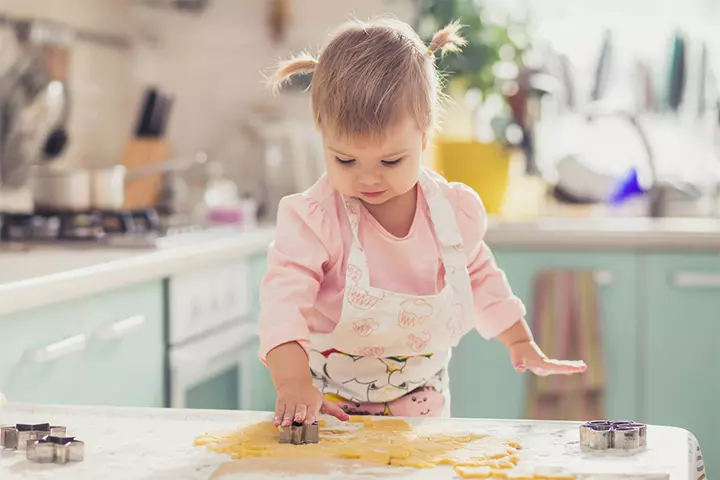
(566,324)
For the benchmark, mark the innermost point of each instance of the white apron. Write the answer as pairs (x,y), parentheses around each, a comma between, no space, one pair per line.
(387,344)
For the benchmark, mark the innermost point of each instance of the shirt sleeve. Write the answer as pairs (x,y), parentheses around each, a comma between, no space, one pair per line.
(497,309)
(294,272)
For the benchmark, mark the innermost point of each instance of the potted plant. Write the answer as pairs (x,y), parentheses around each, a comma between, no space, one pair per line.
(473,145)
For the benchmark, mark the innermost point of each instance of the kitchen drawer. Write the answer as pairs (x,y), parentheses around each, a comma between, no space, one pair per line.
(682,330)
(125,356)
(483,382)
(41,355)
(205,299)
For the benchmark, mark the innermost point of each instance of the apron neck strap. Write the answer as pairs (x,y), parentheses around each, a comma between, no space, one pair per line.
(442,215)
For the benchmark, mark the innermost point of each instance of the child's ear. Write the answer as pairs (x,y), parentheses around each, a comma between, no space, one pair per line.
(424,141)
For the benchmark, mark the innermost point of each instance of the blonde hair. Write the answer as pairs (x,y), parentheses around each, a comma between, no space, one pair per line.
(371,73)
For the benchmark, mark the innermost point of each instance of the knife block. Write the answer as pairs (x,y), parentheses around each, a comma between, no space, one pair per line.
(143,192)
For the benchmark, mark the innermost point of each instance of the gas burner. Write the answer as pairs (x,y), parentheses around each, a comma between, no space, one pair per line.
(82,227)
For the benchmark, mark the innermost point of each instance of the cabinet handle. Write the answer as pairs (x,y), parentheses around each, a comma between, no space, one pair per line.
(60,349)
(122,328)
(696,280)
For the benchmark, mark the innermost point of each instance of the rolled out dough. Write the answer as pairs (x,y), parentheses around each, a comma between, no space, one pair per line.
(392,442)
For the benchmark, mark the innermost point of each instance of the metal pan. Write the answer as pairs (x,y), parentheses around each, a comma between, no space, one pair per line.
(82,190)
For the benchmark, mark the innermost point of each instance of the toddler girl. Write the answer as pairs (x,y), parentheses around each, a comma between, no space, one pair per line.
(379,269)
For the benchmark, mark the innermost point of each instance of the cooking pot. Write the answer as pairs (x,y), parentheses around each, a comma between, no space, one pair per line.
(82,190)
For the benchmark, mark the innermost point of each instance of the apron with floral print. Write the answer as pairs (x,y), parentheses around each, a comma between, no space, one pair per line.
(386,344)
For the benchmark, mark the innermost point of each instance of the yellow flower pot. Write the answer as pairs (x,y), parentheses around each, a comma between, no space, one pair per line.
(484,167)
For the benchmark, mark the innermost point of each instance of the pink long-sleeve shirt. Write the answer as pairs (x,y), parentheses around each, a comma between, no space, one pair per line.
(302,292)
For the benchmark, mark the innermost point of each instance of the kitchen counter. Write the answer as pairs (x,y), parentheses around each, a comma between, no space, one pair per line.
(604,233)
(43,275)
(157,444)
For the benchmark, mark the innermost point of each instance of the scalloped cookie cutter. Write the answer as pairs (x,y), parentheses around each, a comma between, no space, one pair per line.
(613,435)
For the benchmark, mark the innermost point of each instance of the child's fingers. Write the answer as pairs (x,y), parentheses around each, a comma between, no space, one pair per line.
(312,412)
(555,367)
(300,413)
(279,414)
(332,409)
(287,417)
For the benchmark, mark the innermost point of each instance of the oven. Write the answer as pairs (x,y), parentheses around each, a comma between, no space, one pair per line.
(212,338)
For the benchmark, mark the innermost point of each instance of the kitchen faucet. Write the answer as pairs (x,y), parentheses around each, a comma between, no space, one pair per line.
(658,192)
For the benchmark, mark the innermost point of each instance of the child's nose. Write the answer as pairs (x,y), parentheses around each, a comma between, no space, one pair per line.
(368,179)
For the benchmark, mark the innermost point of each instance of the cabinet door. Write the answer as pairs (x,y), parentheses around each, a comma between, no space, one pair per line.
(41,355)
(483,382)
(125,357)
(682,327)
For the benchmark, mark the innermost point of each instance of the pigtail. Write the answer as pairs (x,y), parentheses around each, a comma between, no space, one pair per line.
(447,40)
(303,63)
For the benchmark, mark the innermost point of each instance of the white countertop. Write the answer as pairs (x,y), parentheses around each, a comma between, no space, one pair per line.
(157,444)
(46,275)
(607,233)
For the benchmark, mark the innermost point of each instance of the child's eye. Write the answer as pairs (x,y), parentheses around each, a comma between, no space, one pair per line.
(390,163)
(345,162)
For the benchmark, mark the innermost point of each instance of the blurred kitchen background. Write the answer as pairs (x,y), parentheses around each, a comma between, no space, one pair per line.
(142,160)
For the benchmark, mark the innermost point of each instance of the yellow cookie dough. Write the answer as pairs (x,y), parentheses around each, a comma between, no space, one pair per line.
(386,441)
(411,462)
(474,472)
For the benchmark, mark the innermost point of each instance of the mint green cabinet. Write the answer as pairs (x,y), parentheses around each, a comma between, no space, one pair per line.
(484,384)
(42,355)
(125,355)
(102,350)
(681,329)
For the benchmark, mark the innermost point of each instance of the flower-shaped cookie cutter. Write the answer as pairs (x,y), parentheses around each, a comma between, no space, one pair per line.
(300,434)
(623,435)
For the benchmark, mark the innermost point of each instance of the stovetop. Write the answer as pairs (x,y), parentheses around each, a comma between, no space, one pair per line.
(115,229)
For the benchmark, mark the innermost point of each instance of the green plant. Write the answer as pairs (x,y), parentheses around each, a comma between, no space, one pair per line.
(488,42)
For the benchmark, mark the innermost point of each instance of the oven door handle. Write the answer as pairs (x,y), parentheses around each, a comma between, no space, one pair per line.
(213,353)
(226,357)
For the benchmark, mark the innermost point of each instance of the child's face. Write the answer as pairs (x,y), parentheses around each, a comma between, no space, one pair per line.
(378,171)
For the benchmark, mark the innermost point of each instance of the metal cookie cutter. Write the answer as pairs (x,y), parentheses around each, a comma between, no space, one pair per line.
(53,449)
(18,436)
(300,434)
(613,435)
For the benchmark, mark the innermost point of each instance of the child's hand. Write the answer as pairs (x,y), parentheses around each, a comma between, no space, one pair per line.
(300,402)
(528,356)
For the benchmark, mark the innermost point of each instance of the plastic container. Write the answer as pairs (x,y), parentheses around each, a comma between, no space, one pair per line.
(484,167)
